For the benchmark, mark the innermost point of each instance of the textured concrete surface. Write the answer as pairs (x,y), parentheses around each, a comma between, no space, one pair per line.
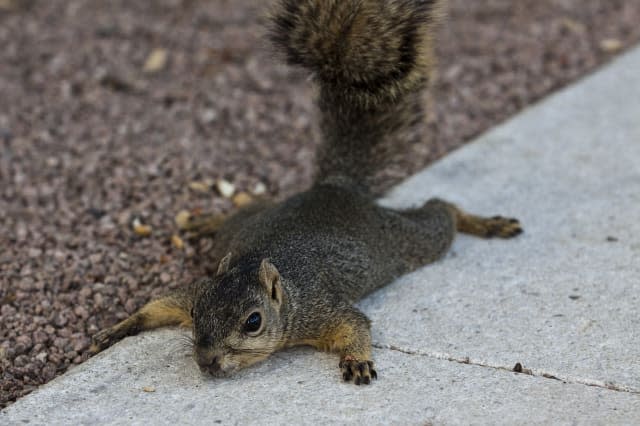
(562,300)
(303,387)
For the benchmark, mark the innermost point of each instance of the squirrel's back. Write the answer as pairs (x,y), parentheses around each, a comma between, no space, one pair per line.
(371,60)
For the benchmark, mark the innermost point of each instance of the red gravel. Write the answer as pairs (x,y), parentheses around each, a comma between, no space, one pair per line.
(88,141)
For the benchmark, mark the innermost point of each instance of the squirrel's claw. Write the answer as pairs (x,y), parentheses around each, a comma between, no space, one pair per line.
(360,371)
(502,227)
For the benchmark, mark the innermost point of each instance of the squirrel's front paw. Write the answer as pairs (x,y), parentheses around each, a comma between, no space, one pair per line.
(102,340)
(360,371)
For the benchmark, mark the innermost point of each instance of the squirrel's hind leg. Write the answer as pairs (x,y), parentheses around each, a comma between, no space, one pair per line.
(423,235)
(488,227)
(173,309)
(210,224)
(430,230)
(200,226)
(485,227)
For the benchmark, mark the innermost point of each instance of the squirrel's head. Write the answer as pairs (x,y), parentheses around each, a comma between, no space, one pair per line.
(238,317)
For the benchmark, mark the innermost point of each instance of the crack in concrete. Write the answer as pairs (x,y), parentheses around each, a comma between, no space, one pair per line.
(517,369)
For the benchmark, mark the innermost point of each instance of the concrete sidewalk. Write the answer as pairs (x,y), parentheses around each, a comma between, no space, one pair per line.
(562,300)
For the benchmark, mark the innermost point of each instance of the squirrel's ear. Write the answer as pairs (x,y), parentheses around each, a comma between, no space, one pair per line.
(270,280)
(224,264)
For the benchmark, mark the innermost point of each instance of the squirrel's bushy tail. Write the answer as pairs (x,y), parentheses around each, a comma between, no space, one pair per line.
(371,60)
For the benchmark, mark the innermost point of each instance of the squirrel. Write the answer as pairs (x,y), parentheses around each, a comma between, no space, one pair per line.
(289,272)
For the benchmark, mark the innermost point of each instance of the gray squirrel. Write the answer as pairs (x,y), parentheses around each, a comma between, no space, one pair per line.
(289,272)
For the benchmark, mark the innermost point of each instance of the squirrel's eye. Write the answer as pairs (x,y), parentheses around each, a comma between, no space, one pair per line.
(252,324)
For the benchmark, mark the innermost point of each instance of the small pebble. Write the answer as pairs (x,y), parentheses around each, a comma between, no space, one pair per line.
(141,229)
(81,311)
(25,340)
(34,252)
(611,45)
(242,199)
(208,116)
(130,306)
(61,320)
(21,360)
(573,25)
(98,300)
(156,61)
(182,219)
(200,186)
(225,188)
(60,342)
(165,278)
(177,242)
(80,344)
(40,337)
(259,189)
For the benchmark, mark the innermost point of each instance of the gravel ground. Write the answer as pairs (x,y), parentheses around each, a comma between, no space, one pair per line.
(95,134)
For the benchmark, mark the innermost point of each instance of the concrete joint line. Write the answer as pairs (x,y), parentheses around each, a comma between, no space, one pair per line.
(517,369)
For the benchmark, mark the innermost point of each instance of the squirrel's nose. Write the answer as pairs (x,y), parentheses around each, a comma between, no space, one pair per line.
(208,361)
(213,367)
